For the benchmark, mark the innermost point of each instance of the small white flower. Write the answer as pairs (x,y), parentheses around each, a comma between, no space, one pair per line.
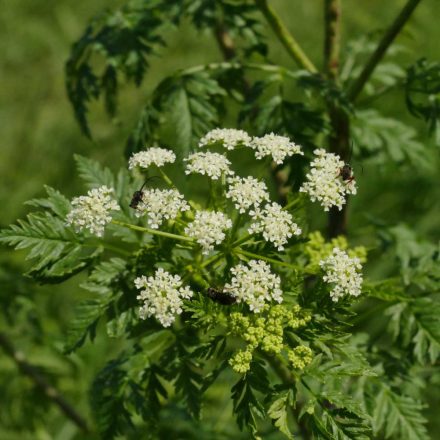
(343,273)
(210,164)
(208,229)
(229,138)
(162,296)
(324,183)
(156,156)
(279,147)
(160,205)
(246,192)
(255,285)
(276,225)
(92,211)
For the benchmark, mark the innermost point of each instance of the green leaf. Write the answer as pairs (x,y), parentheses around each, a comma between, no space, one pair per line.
(122,40)
(415,324)
(398,416)
(93,173)
(341,418)
(383,139)
(87,315)
(186,102)
(281,403)
(423,93)
(108,398)
(55,201)
(247,406)
(57,251)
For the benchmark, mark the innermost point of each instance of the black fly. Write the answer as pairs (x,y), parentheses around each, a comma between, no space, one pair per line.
(137,195)
(220,296)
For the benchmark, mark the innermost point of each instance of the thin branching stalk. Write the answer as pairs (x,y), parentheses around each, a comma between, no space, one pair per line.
(49,390)
(381,49)
(264,258)
(285,37)
(153,231)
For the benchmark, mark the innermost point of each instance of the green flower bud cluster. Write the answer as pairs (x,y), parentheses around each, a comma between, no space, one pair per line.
(317,249)
(300,357)
(264,331)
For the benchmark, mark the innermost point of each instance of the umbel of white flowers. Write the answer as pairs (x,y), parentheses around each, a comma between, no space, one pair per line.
(323,182)
(253,284)
(343,273)
(92,211)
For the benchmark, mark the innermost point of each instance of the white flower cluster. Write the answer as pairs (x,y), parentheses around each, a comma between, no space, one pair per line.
(208,229)
(255,285)
(92,211)
(210,164)
(279,147)
(246,192)
(324,183)
(276,225)
(229,138)
(342,272)
(156,156)
(162,296)
(160,205)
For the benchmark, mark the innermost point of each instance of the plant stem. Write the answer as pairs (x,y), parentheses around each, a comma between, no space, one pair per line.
(332,38)
(268,259)
(339,139)
(286,38)
(153,231)
(167,180)
(32,372)
(382,47)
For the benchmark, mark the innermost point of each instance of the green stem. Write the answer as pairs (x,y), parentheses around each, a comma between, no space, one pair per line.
(286,38)
(167,180)
(153,231)
(241,240)
(235,227)
(268,259)
(211,260)
(381,49)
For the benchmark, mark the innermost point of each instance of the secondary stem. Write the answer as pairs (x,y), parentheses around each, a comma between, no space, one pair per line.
(286,38)
(268,259)
(153,231)
(33,373)
(381,48)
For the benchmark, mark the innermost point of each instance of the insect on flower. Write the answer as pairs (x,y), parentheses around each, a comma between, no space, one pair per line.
(221,296)
(346,171)
(137,195)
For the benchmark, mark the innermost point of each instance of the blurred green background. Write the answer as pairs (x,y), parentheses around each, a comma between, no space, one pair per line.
(39,137)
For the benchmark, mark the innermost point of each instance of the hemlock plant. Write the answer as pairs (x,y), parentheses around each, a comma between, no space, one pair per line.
(283,335)
(213,277)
